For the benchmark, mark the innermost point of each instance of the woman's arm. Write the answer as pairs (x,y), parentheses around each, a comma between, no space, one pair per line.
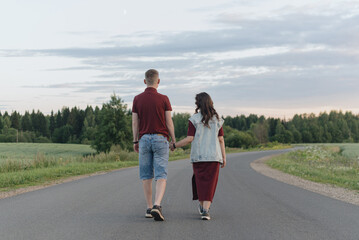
(223,150)
(184,141)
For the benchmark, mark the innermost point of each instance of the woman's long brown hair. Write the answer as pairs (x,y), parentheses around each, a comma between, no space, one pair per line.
(204,103)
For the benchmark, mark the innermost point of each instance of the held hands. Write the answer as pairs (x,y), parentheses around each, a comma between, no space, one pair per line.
(172,146)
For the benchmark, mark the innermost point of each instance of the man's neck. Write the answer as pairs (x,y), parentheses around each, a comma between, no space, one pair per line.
(153,86)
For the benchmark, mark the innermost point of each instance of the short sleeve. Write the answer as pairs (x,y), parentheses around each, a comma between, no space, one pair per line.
(191,129)
(220,133)
(168,106)
(134,106)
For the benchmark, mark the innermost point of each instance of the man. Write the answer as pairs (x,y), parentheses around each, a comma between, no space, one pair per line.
(152,125)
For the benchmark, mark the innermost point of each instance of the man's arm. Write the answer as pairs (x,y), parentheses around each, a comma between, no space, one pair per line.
(135,127)
(170,127)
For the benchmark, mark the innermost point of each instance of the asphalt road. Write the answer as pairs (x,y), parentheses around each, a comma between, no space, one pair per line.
(247,205)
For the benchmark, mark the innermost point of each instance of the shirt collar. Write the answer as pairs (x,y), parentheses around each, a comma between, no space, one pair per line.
(150,89)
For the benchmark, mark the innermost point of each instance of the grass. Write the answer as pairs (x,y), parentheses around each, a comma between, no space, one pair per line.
(347,149)
(333,164)
(265,147)
(350,150)
(27,151)
(29,164)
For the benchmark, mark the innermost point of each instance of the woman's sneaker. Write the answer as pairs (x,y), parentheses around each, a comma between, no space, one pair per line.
(148,213)
(156,212)
(205,215)
(200,209)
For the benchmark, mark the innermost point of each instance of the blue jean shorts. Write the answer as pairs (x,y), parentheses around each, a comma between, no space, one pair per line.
(153,158)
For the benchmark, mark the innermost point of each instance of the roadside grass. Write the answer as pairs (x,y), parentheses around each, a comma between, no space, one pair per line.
(347,149)
(28,164)
(13,180)
(323,164)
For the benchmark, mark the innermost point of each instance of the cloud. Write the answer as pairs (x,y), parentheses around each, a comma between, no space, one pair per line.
(294,58)
(70,68)
(4,107)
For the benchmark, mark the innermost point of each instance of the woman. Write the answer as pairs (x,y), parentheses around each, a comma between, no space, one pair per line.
(205,132)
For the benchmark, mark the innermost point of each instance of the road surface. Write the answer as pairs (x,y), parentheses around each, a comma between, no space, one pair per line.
(247,205)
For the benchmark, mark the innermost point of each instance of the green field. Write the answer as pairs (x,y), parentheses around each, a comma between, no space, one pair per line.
(347,149)
(350,149)
(336,164)
(29,151)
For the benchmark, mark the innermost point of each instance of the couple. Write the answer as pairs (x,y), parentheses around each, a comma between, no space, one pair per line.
(152,126)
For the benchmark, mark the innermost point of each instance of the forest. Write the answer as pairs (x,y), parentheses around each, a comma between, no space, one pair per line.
(111,125)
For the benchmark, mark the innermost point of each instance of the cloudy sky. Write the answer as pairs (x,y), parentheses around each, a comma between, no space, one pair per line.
(275,58)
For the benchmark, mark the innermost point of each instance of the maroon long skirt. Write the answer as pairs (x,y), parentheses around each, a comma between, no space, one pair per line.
(204,180)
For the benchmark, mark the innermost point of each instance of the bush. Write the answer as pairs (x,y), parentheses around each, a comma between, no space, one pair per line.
(239,139)
(42,139)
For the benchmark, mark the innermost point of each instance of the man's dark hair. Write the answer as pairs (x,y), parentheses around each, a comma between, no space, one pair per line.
(151,76)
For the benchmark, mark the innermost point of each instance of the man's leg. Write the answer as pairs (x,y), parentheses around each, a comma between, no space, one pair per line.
(146,168)
(160,191)
(147,189)
(160,148)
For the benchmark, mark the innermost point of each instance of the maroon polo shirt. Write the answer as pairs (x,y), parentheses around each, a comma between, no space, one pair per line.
(151,107)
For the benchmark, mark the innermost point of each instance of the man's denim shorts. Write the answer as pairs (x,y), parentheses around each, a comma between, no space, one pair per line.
(154,150)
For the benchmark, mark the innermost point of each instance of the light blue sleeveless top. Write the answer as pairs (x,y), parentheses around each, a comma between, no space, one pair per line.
(205,145)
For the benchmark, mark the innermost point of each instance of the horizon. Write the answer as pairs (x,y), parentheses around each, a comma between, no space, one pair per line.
(285,118)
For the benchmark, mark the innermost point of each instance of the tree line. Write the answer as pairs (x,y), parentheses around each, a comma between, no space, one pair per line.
(111,124)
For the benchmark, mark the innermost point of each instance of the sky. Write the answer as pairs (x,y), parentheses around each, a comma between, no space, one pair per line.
(275,58)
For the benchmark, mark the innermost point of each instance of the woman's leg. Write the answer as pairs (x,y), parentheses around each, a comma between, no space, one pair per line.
(206,205)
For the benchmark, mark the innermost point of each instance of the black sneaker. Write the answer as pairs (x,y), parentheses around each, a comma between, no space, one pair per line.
(156,212)
(148,213)
(205,215)
(200,209)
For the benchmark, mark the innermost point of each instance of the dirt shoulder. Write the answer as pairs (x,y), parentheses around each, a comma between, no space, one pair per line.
(328,190)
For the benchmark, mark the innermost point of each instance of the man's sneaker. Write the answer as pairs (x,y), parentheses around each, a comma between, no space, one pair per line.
(148,213)
(205,215)
(200,209)
(156,212)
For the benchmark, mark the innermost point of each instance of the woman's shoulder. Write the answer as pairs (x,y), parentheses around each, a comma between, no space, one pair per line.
(196,117)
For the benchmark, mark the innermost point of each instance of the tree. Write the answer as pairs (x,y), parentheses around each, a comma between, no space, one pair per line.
(52,123)
(260,131)
(26,122)
(65,113)
(15,120)
(62,134)
(238,139)
(180,121)
(280,133)
(76,120)
(7,123)
(89,127)
(307,137)
(114,126)
(59,122)
(1,123)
